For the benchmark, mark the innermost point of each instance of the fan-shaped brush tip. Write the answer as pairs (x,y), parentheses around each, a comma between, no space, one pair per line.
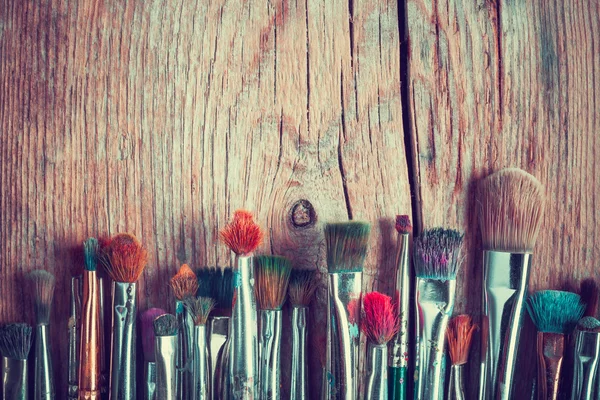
(184,283)
(460,335)
(242,235)
(147,327)
(555,311)
(380,322)
(199,308)
(403,225)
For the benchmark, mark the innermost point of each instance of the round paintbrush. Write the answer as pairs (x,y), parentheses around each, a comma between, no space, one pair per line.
(15,344)
(148,344)
(460,335)
(586,357)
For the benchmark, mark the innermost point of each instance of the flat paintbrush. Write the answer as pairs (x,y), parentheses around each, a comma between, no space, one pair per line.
(15,344)
(148,344)
(586,356)
(165,329)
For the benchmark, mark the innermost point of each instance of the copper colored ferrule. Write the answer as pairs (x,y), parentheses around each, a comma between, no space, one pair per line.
(90,349)
(550,350)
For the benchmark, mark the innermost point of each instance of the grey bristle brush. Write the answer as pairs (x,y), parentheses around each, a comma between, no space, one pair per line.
(166,328)
(586,355)
(555,314)
(346,246)
(148,345)
(15,344)
(437,257)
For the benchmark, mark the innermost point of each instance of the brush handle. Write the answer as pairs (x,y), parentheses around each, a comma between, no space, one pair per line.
(550,350)
(185,339)
(200,365)
(14,379)
(456,388)
(399,346)
(89,350)
(43,382)
(397,382)
(166,371)
(269,350)
(104,379)
(150,381)
(218,336)
(376,384)
(74,332)
(299,368)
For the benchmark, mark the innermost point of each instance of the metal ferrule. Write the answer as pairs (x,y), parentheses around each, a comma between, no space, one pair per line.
(200,366)
(185,339)
(103,364)
(434,306)
(219,355)
(89,343)
(243,356)
(299,369)
(43,383)
(14,379)
(150,380)
(269,350)
(166,371)
(585,364)
(456,386)
(344,292)
(505,284)
(122,358)
(376,385)
(550,350)
(73,356)
(399,344)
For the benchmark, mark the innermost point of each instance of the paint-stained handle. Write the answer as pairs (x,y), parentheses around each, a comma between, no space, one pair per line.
(397,382)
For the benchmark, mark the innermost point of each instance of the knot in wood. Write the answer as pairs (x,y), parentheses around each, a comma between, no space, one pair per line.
(303,214)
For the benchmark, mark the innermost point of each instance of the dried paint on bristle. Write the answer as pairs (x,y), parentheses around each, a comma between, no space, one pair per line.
(588,324)
(166,325)
(555,311)
(403,225)
(588,289)
(42,283)
(346,244)
(303,285)
(148,338)
(199,308)
(380,321)
(223,293)
(438,254)
(242,235)
(124,258)
(271,281)
(15,341)
(90,250)
(184,283)
(460,335)
(511,206)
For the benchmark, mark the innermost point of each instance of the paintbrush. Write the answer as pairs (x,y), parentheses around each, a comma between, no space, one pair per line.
(42,285)
(148,344)
(165,330)
(15,344)
(199,309)
(301,290)
(399,346)
(346,246)
(460,335)
(380,324)
(437,258)
(586,355)
(511,206)
(588,290)
(554,314)
(242,235)
(124,259)
(272,278)
(185,285)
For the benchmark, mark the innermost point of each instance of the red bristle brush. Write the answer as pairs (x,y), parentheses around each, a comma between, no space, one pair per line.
(459,334)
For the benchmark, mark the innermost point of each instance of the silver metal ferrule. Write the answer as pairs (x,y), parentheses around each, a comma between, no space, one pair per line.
(14,379)
(269,350)
(376,384)
(185,339)
(434,306)
(43,383)
(219,357)
(166,371)
(399,344)
(505,284)
(104,378)
(243,355)
(74,324)
(456,387)
(585,364)
(200,366)
(122,360)
(299,368)
(150,380)
(344,292)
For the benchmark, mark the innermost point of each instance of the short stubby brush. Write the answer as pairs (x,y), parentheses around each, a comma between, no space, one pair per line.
(511,207)
(148,344)
(555,314)
(15,344)
(272,279)
(242,235)
(460,335)
(380,324)
(437,257)
(346,247)
(165,330)
(588,290)
(124,259)
(586,356)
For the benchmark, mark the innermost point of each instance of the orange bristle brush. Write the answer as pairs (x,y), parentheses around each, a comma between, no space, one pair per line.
(459,334)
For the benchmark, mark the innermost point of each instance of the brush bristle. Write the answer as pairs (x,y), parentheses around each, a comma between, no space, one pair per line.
(380,321)
(207,279)
(124,258)
(90,250)
(148,338)
(166,325)
(303,285)
(15,341)
(271,283)
(199,308)
(588,289)
(555,311)
(403,225)
(346,244)
(217,283)
(588,324)
(438,254)
(242,235)
(42,283)
(184,283)
(511,207)
(460,335)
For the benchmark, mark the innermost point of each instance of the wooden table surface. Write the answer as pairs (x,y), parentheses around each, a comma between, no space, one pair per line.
(162,117)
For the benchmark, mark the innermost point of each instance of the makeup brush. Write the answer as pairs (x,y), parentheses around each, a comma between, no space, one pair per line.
(380,325)
(242,235)
(460,335)
(346,246)
(586,354)
(301,290)
(15,344)
(148,344)
(165,330)
(42,285)
(399,347)
(511,206)
(588,290)
(272,278)
(124,259)
(185,285)
(555,314)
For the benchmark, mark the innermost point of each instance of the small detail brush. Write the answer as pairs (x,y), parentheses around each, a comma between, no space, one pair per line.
(555,314)
(148,344)
(586,355)
(15,344)
(460,335)
(165,330)
(588,290)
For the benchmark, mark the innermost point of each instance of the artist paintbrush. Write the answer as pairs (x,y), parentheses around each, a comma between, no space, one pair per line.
(148,346)
(586,356)
(15,344)
(460,335)
(165,330)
